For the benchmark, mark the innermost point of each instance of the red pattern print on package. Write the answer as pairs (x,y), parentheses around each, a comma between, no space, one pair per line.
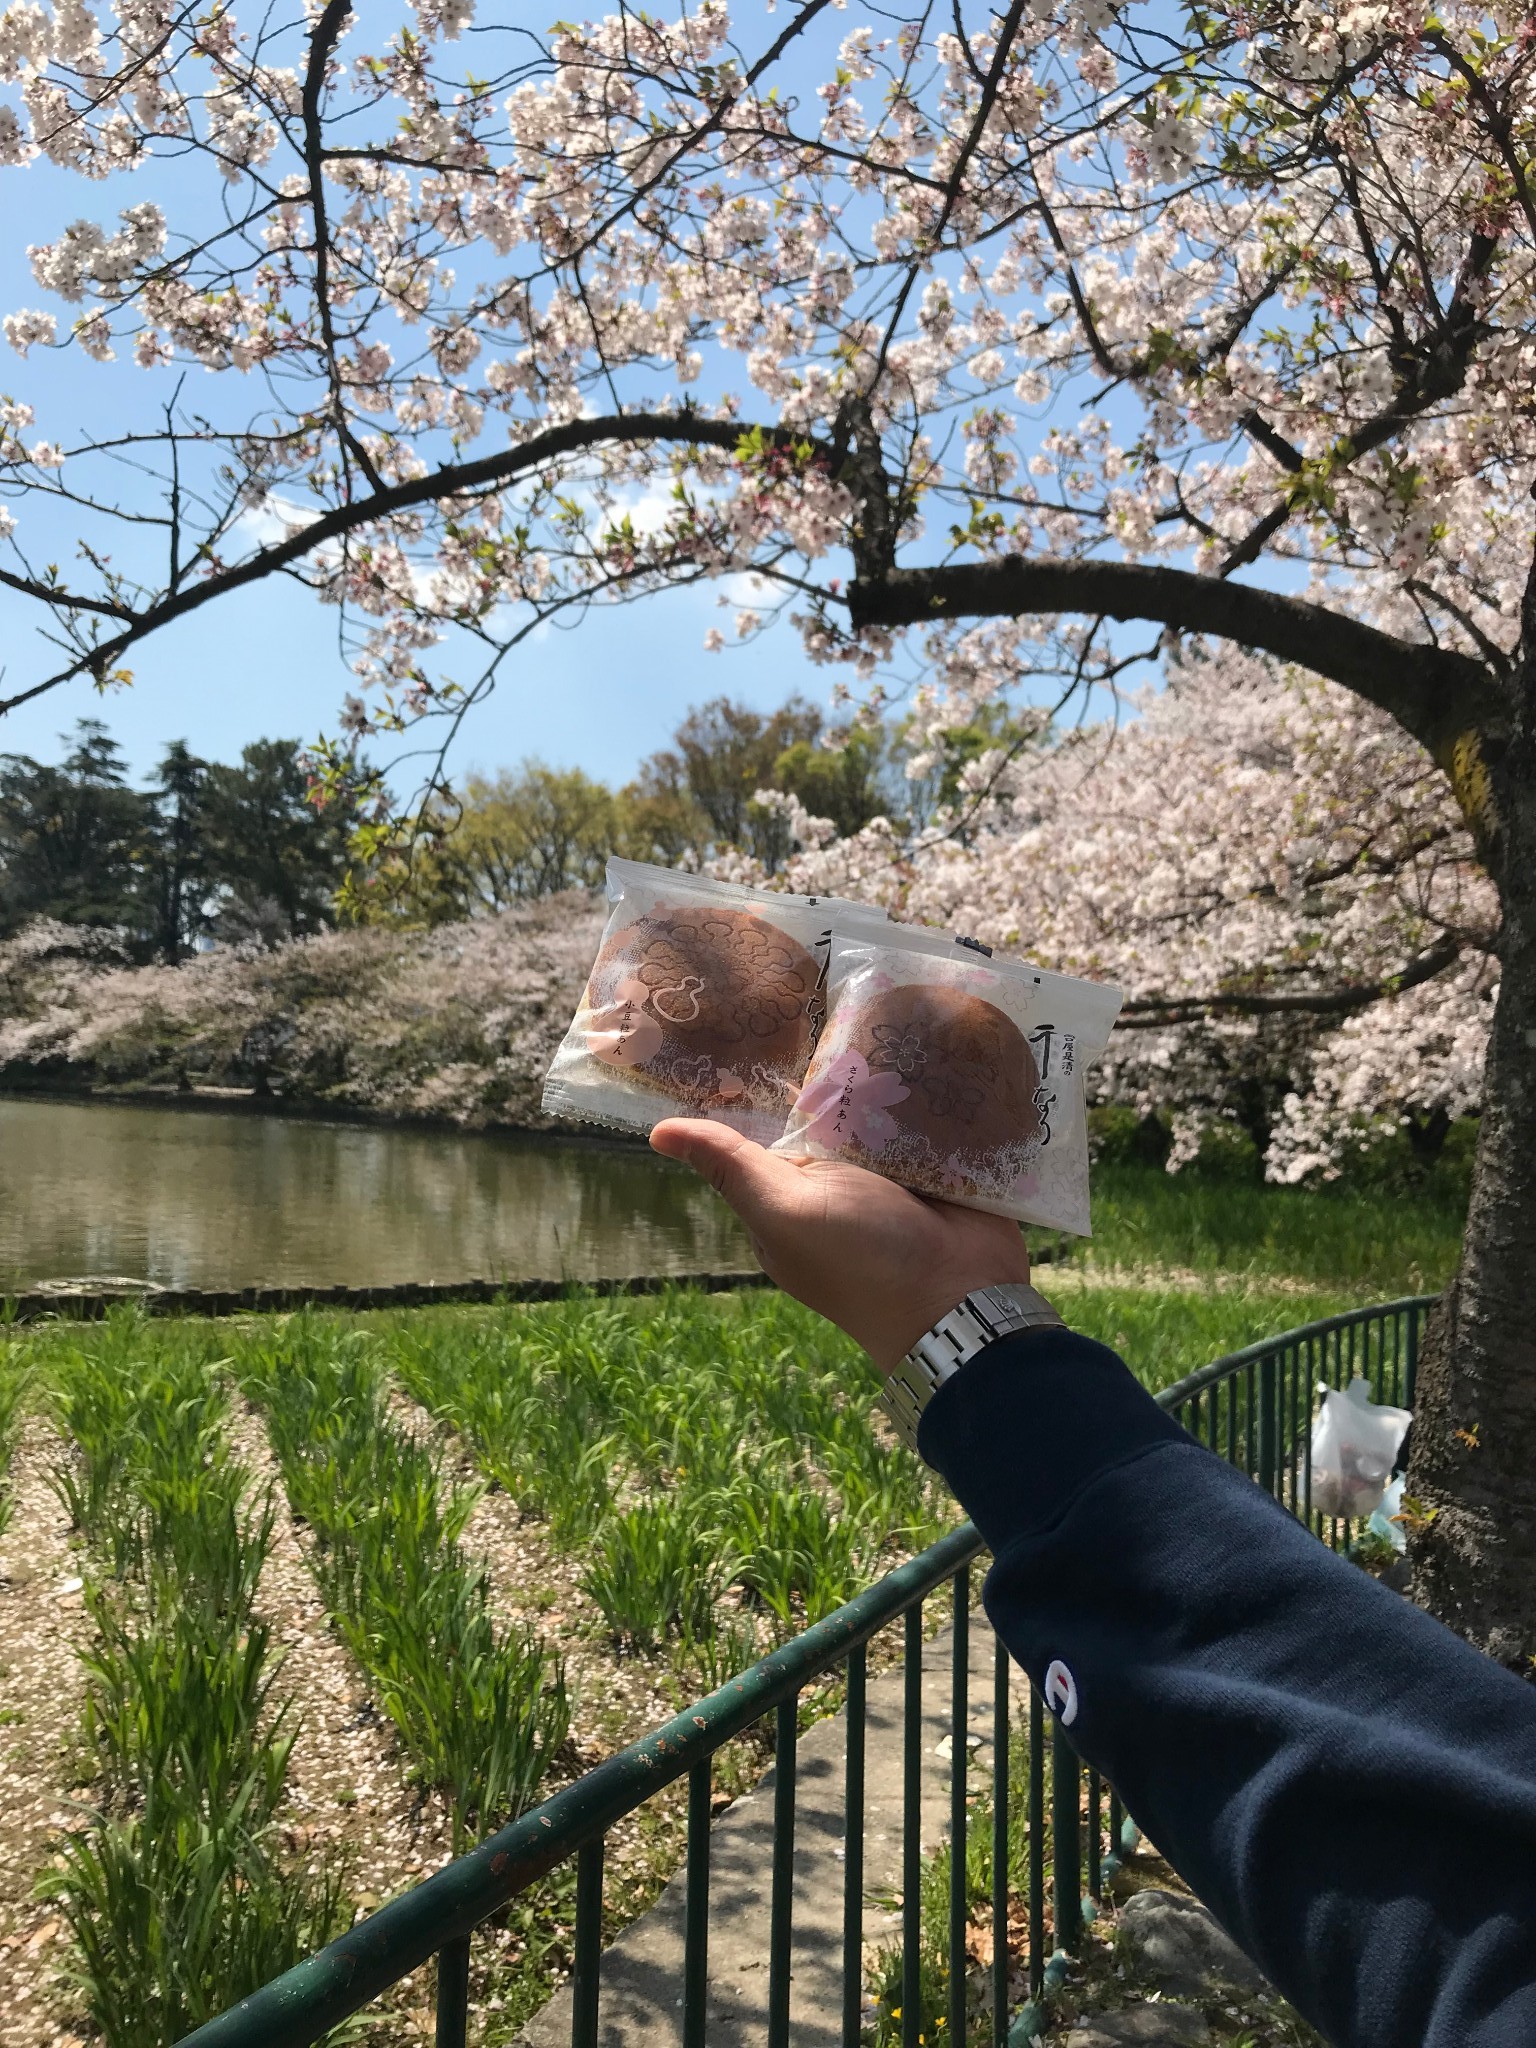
(704,1000)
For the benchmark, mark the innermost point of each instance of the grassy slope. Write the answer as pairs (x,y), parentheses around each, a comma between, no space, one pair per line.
(1180,1270)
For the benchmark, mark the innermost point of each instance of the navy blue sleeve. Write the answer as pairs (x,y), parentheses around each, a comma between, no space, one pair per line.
(1348,1786)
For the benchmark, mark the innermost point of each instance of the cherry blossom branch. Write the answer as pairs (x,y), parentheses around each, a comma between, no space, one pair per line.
(700,131)
(453,480)
(1006,36)
(322,42)
(64,600)
(1499,125)
(1438,372)
(1150,1013)
(1434,692)
(1436,600)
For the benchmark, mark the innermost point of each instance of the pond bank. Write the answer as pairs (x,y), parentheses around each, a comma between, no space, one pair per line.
(84,1303)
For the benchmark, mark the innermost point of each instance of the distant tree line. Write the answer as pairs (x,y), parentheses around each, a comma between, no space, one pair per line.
(532,830)
(238,853)
(249,853)
(529,831)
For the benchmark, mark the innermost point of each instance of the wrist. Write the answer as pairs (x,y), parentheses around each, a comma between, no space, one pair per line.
(936,1299)
(971,1328)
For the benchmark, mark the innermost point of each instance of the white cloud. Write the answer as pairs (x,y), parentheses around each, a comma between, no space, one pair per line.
(271,521)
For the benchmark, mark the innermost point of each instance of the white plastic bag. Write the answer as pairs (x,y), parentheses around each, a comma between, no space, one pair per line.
(1354,1447)
(704,1000)
(958,1074)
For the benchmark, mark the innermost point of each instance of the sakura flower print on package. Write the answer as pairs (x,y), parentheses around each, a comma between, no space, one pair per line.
(704,1000)
(956,1074)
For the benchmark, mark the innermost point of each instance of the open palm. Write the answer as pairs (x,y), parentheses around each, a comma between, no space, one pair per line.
(880,1262)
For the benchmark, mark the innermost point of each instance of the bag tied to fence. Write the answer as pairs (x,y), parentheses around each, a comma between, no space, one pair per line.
(1354,1447)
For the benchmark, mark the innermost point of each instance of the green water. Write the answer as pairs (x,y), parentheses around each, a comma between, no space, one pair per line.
(204,1198)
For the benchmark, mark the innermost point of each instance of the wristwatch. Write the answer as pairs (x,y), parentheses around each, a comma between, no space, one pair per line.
(984,1316)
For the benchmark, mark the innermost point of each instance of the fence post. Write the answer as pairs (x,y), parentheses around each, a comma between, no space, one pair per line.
(959,1759)
(1066,1839)
(911,1833)
(1269,1422)
(452,1993)
(1416,1319)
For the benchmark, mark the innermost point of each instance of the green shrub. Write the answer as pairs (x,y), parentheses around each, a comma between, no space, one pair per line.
(655,1569)
(797,1553)
(599,1415)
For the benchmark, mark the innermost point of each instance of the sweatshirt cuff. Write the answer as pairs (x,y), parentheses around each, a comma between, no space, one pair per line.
(1029,1422)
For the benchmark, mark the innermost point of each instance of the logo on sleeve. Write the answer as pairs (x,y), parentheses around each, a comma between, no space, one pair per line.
(1061,1693)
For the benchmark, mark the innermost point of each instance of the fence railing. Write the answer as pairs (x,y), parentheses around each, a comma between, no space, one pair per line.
(1253,1408)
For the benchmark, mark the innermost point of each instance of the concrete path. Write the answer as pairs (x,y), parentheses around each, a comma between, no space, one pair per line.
(642,1973)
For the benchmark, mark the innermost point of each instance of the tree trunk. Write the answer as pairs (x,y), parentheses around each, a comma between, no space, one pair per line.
(1427,1135)
(1473,1460)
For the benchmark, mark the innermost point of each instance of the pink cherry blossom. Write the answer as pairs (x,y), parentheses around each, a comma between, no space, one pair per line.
(843,1103)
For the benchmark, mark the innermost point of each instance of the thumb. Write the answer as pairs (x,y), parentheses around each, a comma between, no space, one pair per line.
(735,1168)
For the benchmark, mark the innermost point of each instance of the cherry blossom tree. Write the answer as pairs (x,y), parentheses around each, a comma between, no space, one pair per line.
(997,344)
(1274,871)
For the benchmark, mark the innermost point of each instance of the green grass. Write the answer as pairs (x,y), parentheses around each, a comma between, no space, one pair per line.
(713,1467)
(1379,1240)
(681,1445)
(481,1710)
(1164,1333)
(174,1894)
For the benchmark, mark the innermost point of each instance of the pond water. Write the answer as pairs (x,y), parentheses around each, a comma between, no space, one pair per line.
(197,1197)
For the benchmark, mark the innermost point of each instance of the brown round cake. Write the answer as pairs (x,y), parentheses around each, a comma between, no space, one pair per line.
(729,991)
(970,1076)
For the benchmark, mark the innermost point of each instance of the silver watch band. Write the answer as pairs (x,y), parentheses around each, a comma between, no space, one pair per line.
(976,1322)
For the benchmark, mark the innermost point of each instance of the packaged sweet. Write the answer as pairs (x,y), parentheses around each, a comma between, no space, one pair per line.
(957,1074)
(704,1000)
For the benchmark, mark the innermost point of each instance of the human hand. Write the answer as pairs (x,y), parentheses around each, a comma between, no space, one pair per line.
(880,1262)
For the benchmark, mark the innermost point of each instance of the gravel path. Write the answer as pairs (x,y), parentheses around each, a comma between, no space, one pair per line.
(42,1627)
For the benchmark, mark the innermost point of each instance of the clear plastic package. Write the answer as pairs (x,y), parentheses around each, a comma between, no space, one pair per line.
(705,1000)
(958,1074)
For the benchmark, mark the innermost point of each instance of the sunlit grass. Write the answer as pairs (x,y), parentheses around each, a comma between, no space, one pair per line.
(481,1709)
(1163,1333)
(173,1890)
(682,1445)
(1381,1240)
(714,1466)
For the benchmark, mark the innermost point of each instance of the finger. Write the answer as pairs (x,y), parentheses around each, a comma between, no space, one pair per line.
(743,1173)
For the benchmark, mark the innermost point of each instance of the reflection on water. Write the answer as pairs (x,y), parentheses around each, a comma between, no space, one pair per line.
(201,1198)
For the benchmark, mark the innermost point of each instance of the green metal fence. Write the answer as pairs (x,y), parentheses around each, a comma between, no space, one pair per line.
(1253,1407)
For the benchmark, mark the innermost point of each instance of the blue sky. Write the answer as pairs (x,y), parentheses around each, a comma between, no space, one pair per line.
(265,661)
